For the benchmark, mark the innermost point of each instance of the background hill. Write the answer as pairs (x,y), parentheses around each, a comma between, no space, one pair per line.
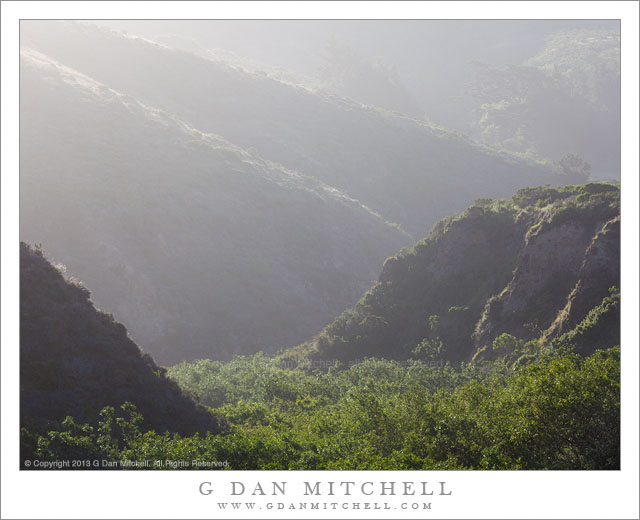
(564,99)
(201,248)
(410,172)
(538,87)
(435,82)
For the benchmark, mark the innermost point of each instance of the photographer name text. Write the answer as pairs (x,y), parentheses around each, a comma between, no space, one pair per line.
(328,488)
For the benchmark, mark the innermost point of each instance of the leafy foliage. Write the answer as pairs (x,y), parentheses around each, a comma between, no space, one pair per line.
(601,324)
(560,411)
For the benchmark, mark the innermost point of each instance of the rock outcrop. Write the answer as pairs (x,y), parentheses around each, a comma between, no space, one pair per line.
(558,252)
(600,271)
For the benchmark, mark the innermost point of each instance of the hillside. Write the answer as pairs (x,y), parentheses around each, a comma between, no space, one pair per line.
(75,360)
(200,248)
(564,99)
(498,275)
(410,172)
(556,411)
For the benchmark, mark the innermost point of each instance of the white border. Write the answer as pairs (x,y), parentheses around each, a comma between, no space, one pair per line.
(174,495)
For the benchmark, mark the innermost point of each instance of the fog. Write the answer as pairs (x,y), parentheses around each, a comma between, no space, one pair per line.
(224,187)
(432,58)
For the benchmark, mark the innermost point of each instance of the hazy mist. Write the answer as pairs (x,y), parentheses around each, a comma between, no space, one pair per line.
(432,59)
(229,186)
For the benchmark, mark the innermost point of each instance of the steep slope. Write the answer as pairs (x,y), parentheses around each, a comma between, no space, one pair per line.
(74,360)
(411,173)
(199,247)
(556,254)
(540,261)
(598,274)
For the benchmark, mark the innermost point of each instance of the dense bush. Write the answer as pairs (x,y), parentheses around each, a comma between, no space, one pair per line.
(558,411)
(600,325)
